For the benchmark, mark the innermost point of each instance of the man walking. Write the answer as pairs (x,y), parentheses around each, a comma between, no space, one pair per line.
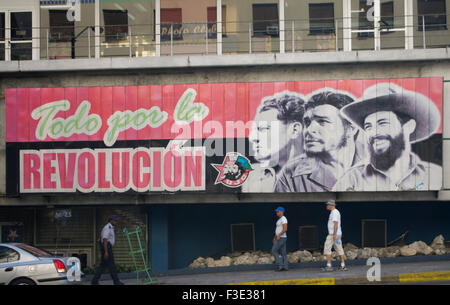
(279,241)
(106,243)
(334,236)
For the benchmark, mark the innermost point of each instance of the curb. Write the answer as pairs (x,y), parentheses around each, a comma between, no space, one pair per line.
(399,278)
(424,277)
(400,259)
(187,271)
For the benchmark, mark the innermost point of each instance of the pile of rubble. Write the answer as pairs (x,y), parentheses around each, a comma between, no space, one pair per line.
(437,247)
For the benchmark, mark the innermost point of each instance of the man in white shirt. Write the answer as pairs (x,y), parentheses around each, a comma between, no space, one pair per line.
(279,241)
(334,236)
(106,243)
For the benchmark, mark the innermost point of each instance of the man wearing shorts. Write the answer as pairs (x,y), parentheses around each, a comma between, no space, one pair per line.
(334,236)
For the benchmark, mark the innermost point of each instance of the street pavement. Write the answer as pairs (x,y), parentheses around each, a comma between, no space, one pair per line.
(439,273)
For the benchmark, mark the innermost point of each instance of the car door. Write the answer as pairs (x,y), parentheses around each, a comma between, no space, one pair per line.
(8,260)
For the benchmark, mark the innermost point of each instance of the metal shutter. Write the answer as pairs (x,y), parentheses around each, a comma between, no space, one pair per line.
(308,238)
(72,232)
(243,237)
(374,233)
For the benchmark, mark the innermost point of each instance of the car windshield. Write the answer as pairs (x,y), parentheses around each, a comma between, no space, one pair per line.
(35,251)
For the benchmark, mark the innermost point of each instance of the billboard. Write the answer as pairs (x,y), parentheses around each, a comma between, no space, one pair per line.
(299,136)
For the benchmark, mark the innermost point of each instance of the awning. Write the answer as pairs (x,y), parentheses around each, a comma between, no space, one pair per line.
(116,1)
(56,2)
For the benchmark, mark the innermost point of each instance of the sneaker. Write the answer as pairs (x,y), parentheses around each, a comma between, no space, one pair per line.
(119,283)
(343,268)
(327,269)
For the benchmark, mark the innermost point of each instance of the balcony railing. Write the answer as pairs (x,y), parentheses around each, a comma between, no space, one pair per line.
(299,35)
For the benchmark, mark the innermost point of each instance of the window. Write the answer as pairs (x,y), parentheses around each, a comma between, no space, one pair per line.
(171,18)
(212,19)
(21,26)
(435,14)
(8,255)
(265,20)
(21,30)
(61,29)
(116,25)
(2,26)
(387,15)
(2,36)
(33,250)
(366,22)
(321,18)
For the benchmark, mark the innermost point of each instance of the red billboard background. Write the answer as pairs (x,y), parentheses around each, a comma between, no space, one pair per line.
(226,102)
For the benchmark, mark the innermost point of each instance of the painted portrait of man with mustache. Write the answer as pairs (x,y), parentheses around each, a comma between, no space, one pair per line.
(329,144)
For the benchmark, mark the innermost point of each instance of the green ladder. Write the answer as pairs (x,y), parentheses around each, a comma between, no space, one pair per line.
(133,254)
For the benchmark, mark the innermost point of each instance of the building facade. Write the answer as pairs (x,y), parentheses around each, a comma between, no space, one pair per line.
(202,63)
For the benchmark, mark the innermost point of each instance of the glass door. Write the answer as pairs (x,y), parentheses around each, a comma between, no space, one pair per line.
(2,35)
(363,30)
(16,41)
(21,43)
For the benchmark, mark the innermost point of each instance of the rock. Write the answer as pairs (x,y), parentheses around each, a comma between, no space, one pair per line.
(245,259)
(266,257)
(421,248)
(390,252)
(235,254)
(350,246)
(320,258)
(292,258)
(258,253)
(210,263)
(198,263)
(305,256)
(351,254)
(438,242)
(364,253)
(376,252)
(439,251)
(264,260)
(407,251)
(224,261)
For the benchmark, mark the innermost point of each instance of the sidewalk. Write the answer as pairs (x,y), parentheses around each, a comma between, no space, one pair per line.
(393,272)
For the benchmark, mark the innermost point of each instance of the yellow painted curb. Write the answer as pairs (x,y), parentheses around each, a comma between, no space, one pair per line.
(424,277)
(319,281)
(400,278)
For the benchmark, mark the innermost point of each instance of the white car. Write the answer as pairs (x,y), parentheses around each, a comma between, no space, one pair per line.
(22,264)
